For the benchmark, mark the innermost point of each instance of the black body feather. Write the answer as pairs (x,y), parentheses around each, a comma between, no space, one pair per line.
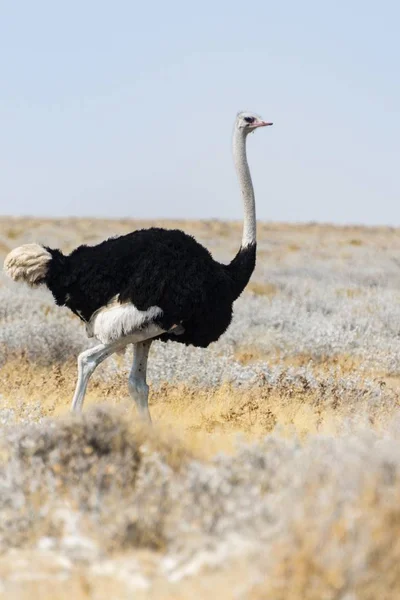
(154,267)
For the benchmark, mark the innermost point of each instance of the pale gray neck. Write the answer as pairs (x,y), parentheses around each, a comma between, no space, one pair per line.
(246,187)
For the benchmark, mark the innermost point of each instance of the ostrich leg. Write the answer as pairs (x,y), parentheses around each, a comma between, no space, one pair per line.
(138,388)
(90,359)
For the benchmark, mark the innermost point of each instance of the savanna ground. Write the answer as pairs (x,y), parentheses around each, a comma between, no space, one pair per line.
(273,468)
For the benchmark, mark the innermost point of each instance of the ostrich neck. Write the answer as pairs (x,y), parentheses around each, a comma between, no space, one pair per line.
(242,266)
(246,188)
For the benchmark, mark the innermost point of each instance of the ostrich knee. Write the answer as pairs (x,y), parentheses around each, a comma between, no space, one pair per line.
(86,364)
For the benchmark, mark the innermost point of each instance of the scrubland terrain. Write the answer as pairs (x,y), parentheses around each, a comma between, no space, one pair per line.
(273,467)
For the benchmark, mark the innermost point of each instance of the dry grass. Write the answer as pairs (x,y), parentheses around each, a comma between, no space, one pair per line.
(262,289)
(343,363)
(300,566)
(209,420)
(273,468)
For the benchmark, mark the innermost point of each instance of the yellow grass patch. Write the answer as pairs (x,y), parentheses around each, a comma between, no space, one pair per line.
(262,289)
(349,292)
(344,363)
(204,421)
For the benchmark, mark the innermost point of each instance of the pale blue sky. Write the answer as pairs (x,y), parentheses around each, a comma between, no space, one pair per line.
(126,108)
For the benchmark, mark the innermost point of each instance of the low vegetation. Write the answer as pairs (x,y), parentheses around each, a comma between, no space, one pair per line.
(273,469)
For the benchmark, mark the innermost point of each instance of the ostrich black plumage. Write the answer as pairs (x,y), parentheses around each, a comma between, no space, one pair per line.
(150,284)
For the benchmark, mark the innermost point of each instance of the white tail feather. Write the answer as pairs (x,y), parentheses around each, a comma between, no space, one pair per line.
(28,263)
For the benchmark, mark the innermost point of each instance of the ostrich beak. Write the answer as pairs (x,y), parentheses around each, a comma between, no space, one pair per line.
(262,124)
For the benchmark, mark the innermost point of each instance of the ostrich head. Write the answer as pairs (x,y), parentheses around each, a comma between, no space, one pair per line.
(248,122)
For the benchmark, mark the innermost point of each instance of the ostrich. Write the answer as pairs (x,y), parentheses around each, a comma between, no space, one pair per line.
(149,284)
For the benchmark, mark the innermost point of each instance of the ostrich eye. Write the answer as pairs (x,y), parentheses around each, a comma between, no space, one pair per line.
(249,119)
